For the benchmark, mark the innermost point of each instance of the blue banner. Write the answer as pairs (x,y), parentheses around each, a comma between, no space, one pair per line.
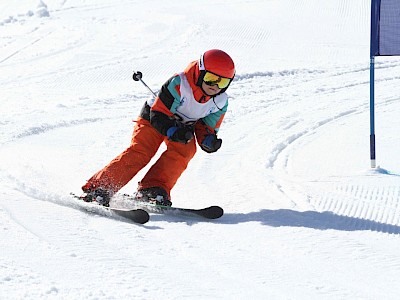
(385,27)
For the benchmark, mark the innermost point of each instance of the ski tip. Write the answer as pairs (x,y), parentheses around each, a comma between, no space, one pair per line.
(139,216)
(143,216)
(215,212)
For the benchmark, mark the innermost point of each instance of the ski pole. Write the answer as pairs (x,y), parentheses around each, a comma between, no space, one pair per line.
(137,76)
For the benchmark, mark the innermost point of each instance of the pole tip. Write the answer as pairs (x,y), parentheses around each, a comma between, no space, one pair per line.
(373,163)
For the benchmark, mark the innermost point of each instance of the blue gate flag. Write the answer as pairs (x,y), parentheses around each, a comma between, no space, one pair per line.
(385,41)
(385,27)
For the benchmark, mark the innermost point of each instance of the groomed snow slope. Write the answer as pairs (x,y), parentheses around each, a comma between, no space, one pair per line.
(305,216)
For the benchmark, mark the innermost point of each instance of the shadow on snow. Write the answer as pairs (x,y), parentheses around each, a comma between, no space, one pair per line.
(308,219)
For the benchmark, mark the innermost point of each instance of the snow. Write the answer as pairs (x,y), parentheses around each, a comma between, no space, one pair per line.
(305,216)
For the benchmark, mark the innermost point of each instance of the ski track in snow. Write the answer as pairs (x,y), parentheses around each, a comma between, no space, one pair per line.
(301,207)
(374,208)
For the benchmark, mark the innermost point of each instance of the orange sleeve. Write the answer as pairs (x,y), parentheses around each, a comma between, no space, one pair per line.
(161,107)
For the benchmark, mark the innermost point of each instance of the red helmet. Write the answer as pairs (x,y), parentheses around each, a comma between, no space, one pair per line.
(217,62)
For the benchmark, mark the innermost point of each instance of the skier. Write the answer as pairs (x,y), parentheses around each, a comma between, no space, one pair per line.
(190,104)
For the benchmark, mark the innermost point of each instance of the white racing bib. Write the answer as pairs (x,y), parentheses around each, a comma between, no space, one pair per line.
(189,110)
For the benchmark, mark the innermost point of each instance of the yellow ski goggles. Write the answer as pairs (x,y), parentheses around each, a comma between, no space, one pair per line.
(212,79)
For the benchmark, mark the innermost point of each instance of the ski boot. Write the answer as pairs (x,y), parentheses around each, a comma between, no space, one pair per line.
(153,195)
(99,195)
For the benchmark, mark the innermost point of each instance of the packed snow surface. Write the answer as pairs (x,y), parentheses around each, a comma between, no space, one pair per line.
(305,215)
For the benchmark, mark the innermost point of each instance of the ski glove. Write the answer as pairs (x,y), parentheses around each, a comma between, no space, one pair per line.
(181,135)
(210,143)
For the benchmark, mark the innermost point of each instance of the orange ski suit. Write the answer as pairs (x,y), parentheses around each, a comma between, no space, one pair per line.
(151,130)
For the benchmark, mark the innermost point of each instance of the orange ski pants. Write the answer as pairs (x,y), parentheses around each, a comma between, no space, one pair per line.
(144,145)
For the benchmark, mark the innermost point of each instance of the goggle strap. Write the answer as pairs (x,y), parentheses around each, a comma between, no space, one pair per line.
(201,63)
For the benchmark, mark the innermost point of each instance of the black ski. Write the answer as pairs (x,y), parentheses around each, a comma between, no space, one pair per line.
(211,212)
(136,215)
